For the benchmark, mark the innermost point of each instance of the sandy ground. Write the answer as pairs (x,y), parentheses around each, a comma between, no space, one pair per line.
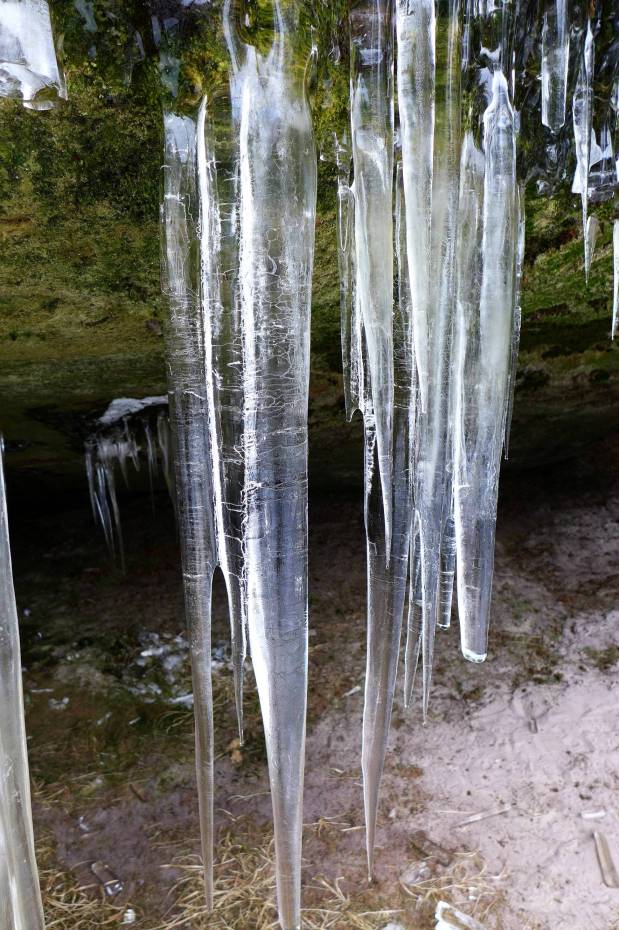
(533,732)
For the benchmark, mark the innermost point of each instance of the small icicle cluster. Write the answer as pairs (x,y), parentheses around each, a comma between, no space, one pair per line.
(117,445)
(238,216)
(438,204)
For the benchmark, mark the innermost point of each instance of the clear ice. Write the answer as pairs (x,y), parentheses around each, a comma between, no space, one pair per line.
(431,173)
(486,302)
(582,116)
(459,255)
(615,278)
(28,66)
(20,897)
(238,360)
(555,63)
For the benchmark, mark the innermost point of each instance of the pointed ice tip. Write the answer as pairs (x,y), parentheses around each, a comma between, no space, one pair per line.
(471,656)
(208,890)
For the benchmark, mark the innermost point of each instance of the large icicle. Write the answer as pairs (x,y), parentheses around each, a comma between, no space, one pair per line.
(277,193)
(430,129)
(28,67)
(555,63)
(386,588)
(582,111)
(20,897)
(189,413)
(486,299)
(371,92)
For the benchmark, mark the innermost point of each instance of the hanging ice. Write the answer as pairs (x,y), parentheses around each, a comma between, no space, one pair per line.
(430,133)
(582,114)
(277,193)
(20,897)
(239,358)
(28,66)
(555,63)
(189,415)
(487,276)
(371,114)
(416,34)
(615,278)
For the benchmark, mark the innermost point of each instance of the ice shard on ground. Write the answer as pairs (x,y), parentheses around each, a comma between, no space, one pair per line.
(20,897)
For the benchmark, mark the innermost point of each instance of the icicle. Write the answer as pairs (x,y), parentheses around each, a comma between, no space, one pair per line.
(28,66)
(448,568)
(615,278)
(555,63)
(582,114)
(486,300)
(223,380)
(430,127)
(415,616)
(387,578)
(513,365)
(151,461)
(591,235)
(277,193)
(189,415)
(20,897)
(416,33)
(351,352)
(371,89)
(163,441)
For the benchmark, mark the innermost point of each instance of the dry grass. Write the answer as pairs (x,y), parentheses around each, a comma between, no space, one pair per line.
(67,905)
(245,893)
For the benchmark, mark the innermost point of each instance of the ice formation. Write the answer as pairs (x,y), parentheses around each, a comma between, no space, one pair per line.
(28,66)
(111,448)
(459,247)
(29,72)
(239,235)
(20,898)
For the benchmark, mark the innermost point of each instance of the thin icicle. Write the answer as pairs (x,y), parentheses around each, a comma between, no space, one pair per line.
(189,416)
(28,66)
(351,354)
(387,578)
(416,34)
(448,568)
(513,365)
(277,194)
(615,278)
(591,235)
(222,378)
(371,106)
(582,114)
(555,63)
(20,897)
(415,616)
(488,256)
